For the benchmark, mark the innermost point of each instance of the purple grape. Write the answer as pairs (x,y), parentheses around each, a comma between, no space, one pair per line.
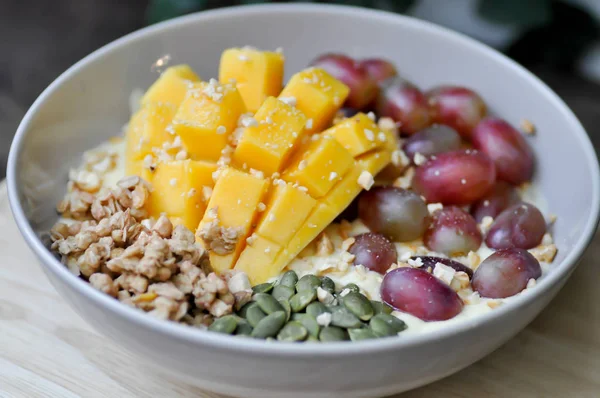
(406,104)
(521,225)
(379,69)
(420,294)
(431,261)
(453,232)
(505,273)
(397,213)
(457,107)
(374,251)
(432,140)
(501,196)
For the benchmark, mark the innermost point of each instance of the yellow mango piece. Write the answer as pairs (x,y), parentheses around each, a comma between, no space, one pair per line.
(358,134)
(287,209)
(374,162)
(258,74)
(317,94)
(147,129)
(319,165)
(171,86)
(177,190)
(258,253)
(268,145)
(207,117)
(235,201)
(344,192)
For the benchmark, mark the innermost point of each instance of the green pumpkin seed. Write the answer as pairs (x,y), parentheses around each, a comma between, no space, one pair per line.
(301,299)
(312,339)
(327,284)
(361,334)
(243,328)
(244,309)
(359,305)
(342,317)
(254,315)
(225,324)
(352,287)
(263,288)
(384,325)
(308,322)
(286,307)
(381,308)
(283,292)
(332,333)
(308,282)
(289,279)
(292,331)
(267,303)
(315,309)
(269,326)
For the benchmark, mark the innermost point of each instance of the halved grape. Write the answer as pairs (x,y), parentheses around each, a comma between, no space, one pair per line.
(397,213)
(506,147)
(453,232)
(505,273)
(457,177)
(432,140)
(458,107)
(374,251)
(379,69)
(521,225)
(363,89)
(419,293)
(501,196)
(405,103)
(431,261)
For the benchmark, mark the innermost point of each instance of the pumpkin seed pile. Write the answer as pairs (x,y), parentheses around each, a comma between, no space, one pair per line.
(310,309)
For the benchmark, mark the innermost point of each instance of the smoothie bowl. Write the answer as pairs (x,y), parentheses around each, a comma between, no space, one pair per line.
(304,200)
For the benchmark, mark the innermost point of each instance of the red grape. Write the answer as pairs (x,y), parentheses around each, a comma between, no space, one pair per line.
(363,89)
(521,225)
(495,201)
(432,140)
(374,251)
(505,273)
(379,69)
(457,107)
(399,214)
(405,103)
(431,261)
(457,177)
(419,293)
(506,147)
(453,232)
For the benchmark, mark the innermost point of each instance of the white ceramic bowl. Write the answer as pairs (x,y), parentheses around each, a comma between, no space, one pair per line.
(89,103)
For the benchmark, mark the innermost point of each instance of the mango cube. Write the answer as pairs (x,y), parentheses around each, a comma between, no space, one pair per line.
(374,162)
(358,134)
(178,187)
(206,118)
(287,209)
(319,166)
(317,94)
(256,257)
(172,85)
(268,145)
(258,74)
(147,129)
(234,200)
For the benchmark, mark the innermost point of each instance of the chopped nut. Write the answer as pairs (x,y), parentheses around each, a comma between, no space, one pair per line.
(530,283)
(419,159)
(433,207)
(347,243)
(485,224)
(444,273)
(324,245)
(324,296)
(366,180)
(324,319)
(474,260)
(527,127)
(405,181)
(460,281)
(544,253)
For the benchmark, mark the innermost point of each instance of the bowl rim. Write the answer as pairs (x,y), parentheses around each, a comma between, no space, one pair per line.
(190,335)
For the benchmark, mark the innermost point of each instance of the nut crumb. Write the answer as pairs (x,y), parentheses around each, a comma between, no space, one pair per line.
(527,127)
(366,180)
(544,253)
(324,245)
(405,181)
(419,159)
(347,243)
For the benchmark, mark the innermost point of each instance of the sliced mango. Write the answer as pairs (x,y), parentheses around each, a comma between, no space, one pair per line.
(268,145)
(317,94)
(374,162)
(235,198)
(207,117)
(258,74)
(178,191)
(172,85)
(256,257)
(358,134)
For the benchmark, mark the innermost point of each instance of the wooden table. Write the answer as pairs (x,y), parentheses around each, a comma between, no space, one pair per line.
(46,350)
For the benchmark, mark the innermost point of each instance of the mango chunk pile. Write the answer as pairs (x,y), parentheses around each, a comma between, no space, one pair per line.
(255,168)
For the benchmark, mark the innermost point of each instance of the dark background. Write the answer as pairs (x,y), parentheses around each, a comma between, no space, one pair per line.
(39,39)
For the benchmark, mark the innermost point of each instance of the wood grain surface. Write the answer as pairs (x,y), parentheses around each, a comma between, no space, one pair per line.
(46,350)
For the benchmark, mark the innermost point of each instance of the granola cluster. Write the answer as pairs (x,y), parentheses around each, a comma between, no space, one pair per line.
(107,238)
